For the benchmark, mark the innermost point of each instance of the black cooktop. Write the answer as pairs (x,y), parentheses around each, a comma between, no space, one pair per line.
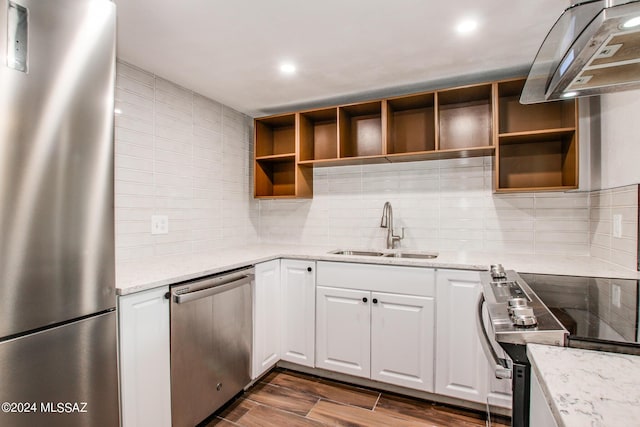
(599,313)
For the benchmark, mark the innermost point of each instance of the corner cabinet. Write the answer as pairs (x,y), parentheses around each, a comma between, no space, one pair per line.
(358,322)
(298,304)
(535,146)
(462,369)
(145,371)
(266,317)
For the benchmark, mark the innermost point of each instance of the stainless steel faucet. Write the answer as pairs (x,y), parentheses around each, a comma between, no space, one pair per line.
(387,222)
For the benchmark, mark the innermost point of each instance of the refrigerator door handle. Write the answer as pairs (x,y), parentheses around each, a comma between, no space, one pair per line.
(180,298)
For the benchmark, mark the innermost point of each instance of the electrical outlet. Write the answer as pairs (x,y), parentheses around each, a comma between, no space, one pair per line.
(615,295)
(159,224)
(617,225)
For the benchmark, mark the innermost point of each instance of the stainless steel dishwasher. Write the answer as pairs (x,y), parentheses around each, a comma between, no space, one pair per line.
(210,343)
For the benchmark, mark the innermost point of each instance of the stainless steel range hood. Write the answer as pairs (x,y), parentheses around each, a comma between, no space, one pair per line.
(593,48)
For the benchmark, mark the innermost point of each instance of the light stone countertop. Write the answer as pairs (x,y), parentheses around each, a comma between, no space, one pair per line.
(588,388)
(146,274)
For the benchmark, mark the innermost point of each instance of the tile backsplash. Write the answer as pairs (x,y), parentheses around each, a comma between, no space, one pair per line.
(443,205)
(185,156)
(605,205)
(181,155)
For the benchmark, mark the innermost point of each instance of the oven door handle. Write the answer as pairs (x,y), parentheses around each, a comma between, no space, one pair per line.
(503,367)
(214,290)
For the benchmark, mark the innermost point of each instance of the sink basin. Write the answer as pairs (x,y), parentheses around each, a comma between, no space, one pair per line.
(360,253)
(398,254)
(412,255)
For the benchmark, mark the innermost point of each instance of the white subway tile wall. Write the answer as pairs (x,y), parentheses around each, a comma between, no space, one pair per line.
(188,157)
(443,205)
(185,156)
(604,245)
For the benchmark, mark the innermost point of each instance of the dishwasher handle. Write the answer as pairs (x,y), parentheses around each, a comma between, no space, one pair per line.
(214,290)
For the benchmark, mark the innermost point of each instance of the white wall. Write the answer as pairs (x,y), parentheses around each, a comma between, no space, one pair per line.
(444,205)
(616,156)
(185,156)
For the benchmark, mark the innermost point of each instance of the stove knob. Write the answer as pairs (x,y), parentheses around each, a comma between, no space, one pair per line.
(497,271)
(525,320)
(517,302)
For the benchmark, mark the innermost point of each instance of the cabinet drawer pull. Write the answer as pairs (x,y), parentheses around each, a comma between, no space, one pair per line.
(375,300)
(364,299)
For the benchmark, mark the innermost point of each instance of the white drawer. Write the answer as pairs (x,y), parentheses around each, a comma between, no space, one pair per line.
(418,281)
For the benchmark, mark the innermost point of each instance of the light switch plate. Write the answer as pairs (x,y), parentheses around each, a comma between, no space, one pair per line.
(159,224)
(617,225)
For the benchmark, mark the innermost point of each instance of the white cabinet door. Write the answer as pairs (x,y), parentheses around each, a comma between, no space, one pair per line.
(145,371)
(266,317)
(461,366)
(540,414)
(402,340)
(343,330)
(298,287)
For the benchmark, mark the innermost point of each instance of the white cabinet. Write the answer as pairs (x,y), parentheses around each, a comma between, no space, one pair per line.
(460,362)
(144,342)
(266,317)
(343,331)
(366,332)
(402,340)
(298,304)
(462,368)
(540,414)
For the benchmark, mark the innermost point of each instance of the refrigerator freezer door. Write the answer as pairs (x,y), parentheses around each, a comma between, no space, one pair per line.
(56,164)
(59,368)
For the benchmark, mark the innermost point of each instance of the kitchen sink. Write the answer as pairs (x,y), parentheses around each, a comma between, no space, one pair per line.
(412,255)
(360,253)
(397,254)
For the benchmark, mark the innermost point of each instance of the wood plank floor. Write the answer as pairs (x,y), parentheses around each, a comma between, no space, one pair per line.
(291,399)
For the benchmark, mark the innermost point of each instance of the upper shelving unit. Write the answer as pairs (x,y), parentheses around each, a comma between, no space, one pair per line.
(536,146)
(360,130)
(411,125)
(465,118)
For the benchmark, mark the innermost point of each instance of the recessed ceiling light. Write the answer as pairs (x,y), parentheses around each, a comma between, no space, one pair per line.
(569,94)
(287,68)
(633,22)
(466,26)
(117,111)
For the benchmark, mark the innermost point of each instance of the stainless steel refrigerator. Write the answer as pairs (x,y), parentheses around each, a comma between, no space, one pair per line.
(58,355)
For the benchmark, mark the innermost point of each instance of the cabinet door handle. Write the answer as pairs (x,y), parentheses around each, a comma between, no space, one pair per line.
(375,300)
(309,269)
(364,299)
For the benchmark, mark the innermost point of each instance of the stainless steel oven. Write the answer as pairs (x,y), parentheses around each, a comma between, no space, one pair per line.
(514,317)
(211,329)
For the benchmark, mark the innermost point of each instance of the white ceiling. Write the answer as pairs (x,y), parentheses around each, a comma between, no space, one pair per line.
(345,50)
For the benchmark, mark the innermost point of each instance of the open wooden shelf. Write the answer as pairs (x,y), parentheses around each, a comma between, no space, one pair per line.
(516,117)
(360,129)
(535,146)
(275,135)
(319,134)
(465,117)
(277,173)
(548,162)
(277,157)
(411,124)
(275,178)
